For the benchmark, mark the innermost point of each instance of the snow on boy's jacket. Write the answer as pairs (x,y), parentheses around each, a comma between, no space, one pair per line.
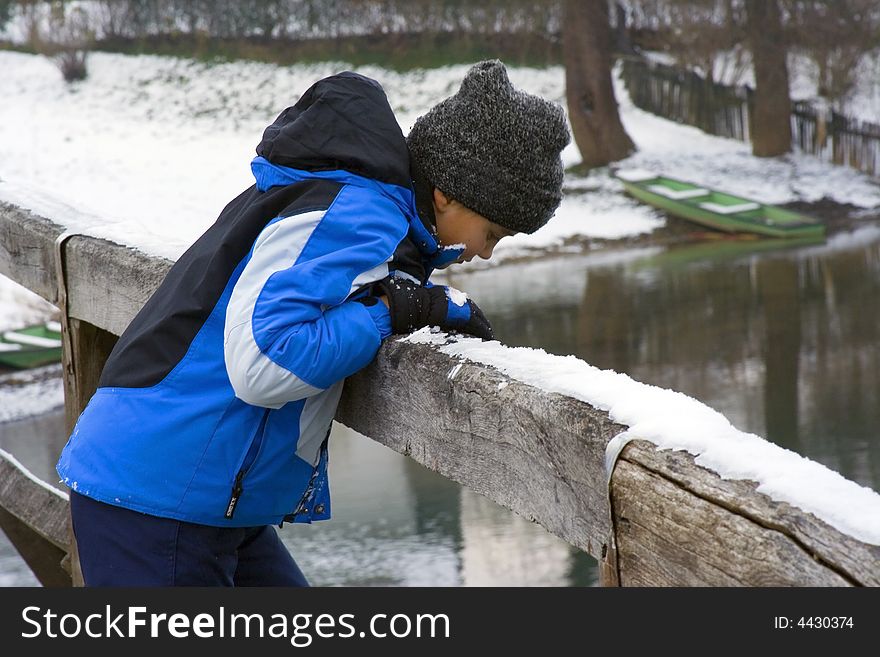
(215,405)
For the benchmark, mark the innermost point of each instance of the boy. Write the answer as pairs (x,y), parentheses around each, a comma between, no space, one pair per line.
(211,419)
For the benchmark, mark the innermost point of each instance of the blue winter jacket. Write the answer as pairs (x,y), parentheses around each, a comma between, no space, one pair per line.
(215,404)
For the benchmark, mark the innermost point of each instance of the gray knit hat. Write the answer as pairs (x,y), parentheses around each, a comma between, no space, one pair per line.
(494,149)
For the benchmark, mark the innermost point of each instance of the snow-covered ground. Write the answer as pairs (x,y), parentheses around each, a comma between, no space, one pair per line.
(148,150)
(27,393)
(21,307)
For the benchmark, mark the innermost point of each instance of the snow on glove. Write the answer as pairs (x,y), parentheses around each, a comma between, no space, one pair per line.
(413,306)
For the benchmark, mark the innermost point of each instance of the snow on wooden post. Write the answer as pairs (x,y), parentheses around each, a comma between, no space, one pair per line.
(664,519)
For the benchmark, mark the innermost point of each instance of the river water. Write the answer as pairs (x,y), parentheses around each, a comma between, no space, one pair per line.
(782,339)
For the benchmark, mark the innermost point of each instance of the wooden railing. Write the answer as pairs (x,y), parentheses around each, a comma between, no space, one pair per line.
(660,519)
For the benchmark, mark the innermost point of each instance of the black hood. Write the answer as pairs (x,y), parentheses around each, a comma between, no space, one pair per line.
(342,122)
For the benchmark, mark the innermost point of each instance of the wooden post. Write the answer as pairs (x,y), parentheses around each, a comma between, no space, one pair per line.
(609,568)
(821,133)
(85,353)
(90,347)
(609,571)
(86,349)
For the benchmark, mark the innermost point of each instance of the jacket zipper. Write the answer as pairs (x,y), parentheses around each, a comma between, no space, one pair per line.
(310,487)
(249,458)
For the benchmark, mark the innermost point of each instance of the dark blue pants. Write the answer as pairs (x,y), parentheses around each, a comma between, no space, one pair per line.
(121,547)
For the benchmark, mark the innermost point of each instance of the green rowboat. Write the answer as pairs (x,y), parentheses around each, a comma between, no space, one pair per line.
(726,212)
(31,347)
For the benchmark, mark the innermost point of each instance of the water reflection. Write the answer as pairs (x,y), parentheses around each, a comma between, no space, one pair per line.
(36,443)
(780,338)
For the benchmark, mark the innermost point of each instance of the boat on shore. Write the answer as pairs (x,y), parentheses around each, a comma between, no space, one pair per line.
(715,209)
(31,346)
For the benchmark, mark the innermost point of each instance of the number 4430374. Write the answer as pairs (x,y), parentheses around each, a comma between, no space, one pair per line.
(814,622)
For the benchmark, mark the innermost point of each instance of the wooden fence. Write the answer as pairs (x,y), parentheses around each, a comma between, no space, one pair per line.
(685,97)
(836,138)
(660,519)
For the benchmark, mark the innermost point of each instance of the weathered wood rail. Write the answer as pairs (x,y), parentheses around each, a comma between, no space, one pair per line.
(662,521)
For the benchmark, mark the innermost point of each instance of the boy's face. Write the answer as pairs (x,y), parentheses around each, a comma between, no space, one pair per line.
(457,224)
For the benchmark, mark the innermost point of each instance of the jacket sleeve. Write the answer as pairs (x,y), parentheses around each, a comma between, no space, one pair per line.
(290,331)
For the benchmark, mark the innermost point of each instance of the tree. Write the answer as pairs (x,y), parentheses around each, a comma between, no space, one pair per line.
(5,12)
(70,37)
(704,36)
(835,34)
(592,107)
(771,113)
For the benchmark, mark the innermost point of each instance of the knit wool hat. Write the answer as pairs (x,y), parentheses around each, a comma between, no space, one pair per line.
(494,149)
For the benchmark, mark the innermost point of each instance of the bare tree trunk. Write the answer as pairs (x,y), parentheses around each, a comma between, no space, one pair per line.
(822,58)
(771,118)
(592,107)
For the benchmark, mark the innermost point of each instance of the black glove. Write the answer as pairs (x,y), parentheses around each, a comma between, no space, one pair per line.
(413,306)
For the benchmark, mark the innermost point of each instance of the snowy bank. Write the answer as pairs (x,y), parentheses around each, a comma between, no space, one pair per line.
(149,149)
